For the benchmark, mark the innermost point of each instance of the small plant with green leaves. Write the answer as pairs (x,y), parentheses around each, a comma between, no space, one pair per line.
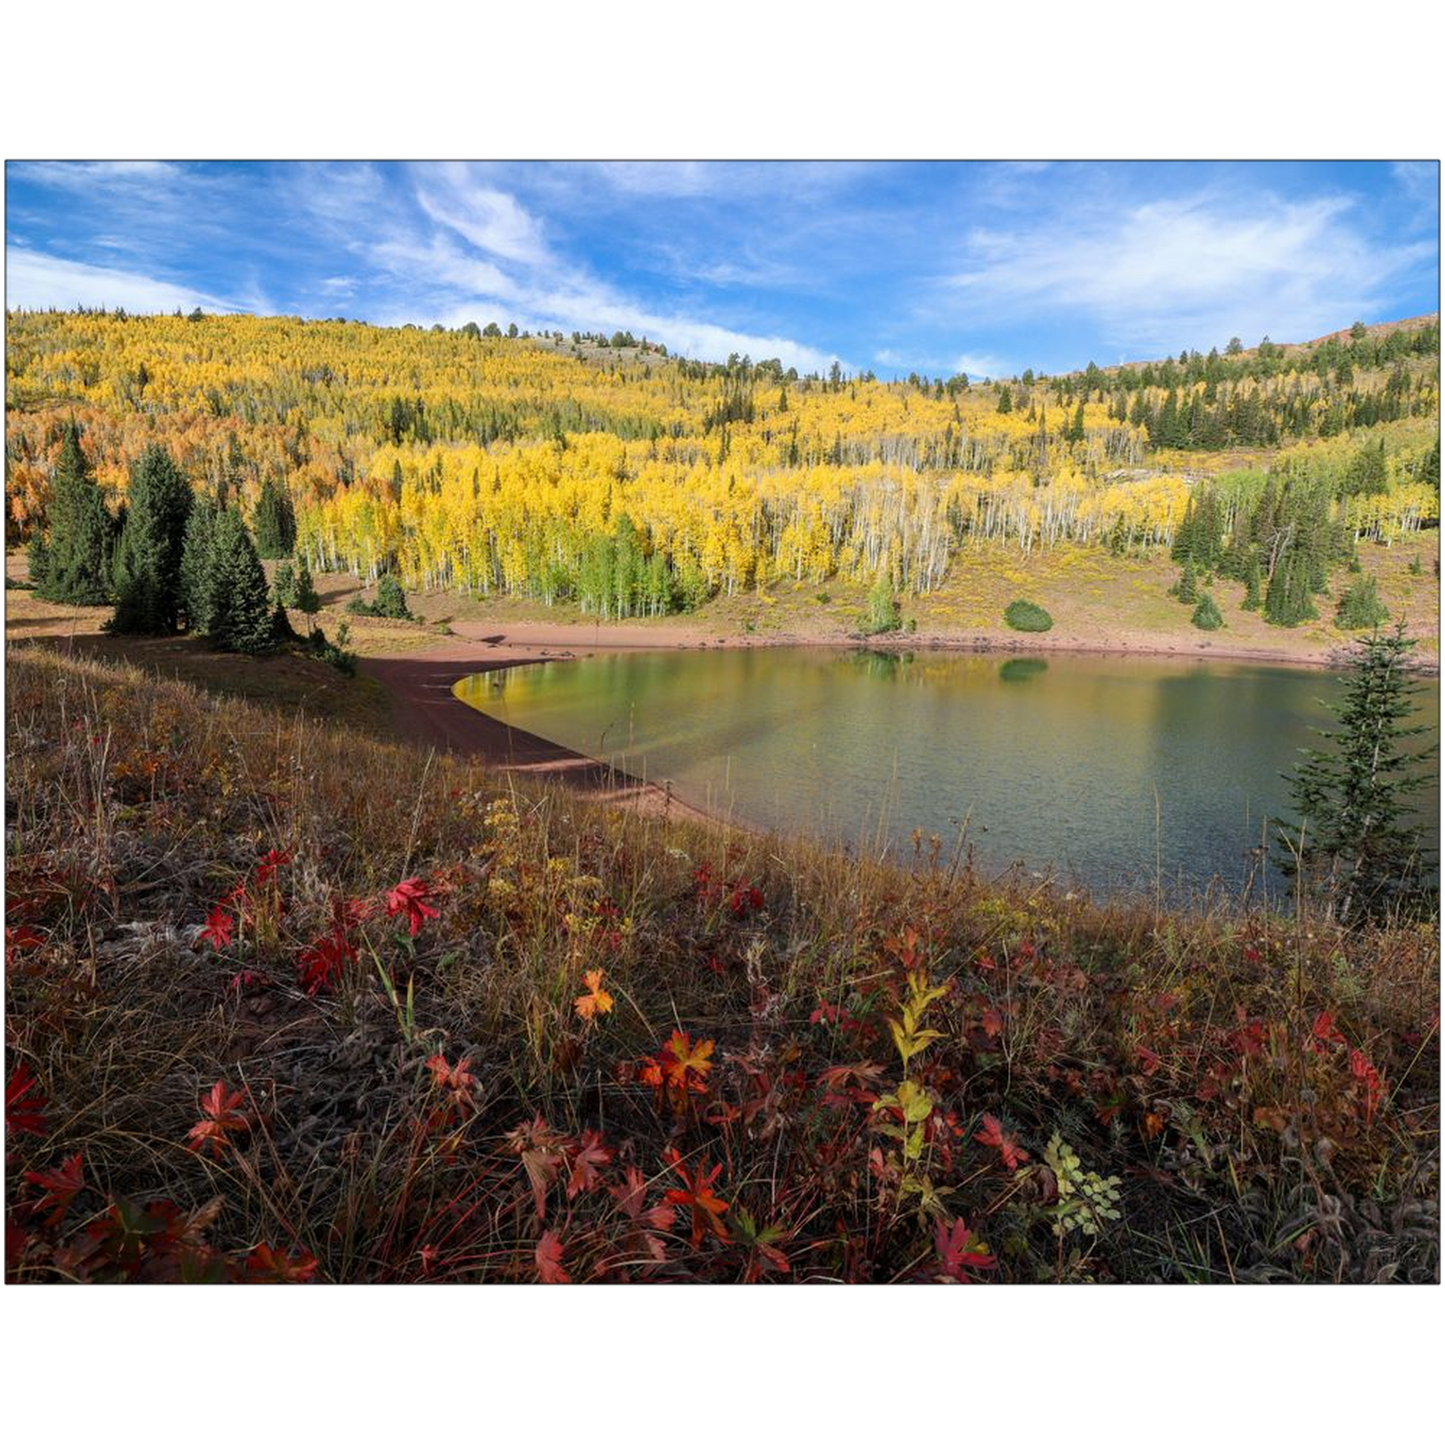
(1085,1201)
(1206,615)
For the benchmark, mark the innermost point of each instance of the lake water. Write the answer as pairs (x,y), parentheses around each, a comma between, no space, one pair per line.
(1105,771)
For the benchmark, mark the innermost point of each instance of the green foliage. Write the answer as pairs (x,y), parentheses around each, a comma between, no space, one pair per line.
(237,600)
(195,571)
(390,601)
(1025,616)
(1252,584)
(275,520)
(883,611)
(306,601)
(77,554)
(146,572)
(1357,844)
(1360,606)
(1206,615)
(1086,1201)
(1186,589)
(283,585)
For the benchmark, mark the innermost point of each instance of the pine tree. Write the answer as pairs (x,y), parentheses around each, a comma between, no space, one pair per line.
(196,564)
(146,572)
(1252,583)
(283,585)
(1287,600)
(1356,843)
(307,602)
(237,601)
(1360,606)
(1206,615)
(275,520)
(1187,588)
(78,551)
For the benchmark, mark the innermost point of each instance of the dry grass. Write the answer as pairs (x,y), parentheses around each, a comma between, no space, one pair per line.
(1192,1058)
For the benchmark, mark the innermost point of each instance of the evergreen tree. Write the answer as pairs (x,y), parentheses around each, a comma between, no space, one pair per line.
(1356,843)
(1187,588)
(1206,615)
(1360,606)
(1287,600)
(237,601)
(38,558)
(283,585)
(307,602)
(883,615)
(1005,399)
(390,599)
(196,564)
(147,568)
(1252,583)
(78,551)
(275,520)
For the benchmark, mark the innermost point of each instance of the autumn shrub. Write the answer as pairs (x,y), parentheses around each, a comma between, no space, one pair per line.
(1025,616)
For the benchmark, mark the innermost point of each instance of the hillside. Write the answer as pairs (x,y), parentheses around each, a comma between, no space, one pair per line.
(499,469)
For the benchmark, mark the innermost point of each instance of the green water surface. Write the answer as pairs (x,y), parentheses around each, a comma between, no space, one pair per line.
(1107,772)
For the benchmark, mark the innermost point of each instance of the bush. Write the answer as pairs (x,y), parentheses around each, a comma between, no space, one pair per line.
(1360,606)
(390,602)
(1206,615)
(1025,616)
(283,585)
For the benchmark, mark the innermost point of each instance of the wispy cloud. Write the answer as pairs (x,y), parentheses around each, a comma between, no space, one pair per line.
(977,368)
(35,281)
(1195,270)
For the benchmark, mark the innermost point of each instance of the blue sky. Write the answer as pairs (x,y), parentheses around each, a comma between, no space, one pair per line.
(938,267)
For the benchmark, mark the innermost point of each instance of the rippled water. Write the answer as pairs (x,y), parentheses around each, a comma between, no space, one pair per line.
(1102,770)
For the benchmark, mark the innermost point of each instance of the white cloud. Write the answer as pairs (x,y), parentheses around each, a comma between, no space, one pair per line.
(90,175)
(1185,272)
(490,220)
(36,281)
(976,367)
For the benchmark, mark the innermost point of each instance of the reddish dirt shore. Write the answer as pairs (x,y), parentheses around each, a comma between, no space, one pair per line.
(425,712)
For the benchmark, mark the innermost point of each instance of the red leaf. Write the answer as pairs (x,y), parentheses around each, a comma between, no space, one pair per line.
(549,1260)
(589,1156)
(993,1135)
(24,1103)
(60,1187)
(410,897)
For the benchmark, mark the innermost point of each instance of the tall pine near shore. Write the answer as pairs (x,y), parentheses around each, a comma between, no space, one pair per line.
(1357,846)
(237,600)
(146,572)
(78,551)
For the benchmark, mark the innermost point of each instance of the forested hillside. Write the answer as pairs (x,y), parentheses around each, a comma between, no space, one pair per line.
(629,482)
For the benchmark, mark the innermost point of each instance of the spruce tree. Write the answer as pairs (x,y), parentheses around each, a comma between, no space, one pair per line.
(275,520)
(1252,583)
(1206,615)
(1360,606)
(237,601)
(1357,844)
(196,564)
(307,602)
(1187,588)
(1287,600)
(77,554)
(146,573)
(283,585)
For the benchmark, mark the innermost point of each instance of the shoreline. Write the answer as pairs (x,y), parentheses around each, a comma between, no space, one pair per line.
(553,638)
